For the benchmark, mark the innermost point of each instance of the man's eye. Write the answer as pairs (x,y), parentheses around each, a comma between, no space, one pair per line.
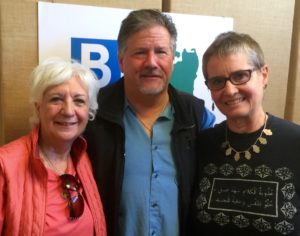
(162,52)
(139,53)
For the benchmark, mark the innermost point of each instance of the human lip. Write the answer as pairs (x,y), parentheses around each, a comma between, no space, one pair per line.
(66,123)
(234,101)
(151,73)
(149,76)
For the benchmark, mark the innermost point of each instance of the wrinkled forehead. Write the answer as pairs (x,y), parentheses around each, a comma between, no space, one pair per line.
(223,65)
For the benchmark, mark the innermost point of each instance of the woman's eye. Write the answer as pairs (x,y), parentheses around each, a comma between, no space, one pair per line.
(241,75)
(55,99)
(217,81)
(80,101)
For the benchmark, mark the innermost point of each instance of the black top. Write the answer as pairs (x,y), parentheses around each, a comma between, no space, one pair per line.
(259,196)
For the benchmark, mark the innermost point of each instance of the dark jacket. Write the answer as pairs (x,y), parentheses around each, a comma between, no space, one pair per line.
(105,137)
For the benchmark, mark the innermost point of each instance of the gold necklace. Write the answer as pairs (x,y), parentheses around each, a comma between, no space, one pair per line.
(229,150)
(149,129)
(144,125)
(49,163)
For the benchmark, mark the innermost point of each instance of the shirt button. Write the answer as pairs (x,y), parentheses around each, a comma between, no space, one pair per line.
(154,205)
(155,175)
(153,233)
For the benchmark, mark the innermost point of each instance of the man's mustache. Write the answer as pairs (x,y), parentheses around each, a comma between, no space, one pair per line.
(152,72)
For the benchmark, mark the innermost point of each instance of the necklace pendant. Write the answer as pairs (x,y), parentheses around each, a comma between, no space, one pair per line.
(228,151)
(262,140)
(256,148)
(247,155)
(236,156)
(267,132)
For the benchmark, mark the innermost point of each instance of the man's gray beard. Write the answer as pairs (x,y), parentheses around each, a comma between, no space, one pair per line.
(152,91)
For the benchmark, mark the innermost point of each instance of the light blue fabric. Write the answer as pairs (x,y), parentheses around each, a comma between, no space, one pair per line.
(149,201)
(208,119)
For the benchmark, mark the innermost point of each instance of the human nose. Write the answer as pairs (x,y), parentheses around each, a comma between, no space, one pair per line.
(229,87)
(151,59)
(68,107)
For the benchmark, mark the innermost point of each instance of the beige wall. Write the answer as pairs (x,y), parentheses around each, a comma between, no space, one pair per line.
(19,55)
(271,28)
(268,21)
(293,92)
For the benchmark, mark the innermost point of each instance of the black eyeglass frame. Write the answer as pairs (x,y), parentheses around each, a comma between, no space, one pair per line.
(231,77)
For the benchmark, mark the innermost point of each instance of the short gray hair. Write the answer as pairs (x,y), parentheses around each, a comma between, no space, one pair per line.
(231,43)
(144,18)
(54,71)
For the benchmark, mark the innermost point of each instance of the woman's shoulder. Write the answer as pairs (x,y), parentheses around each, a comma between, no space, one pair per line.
(217,128)
(213,133)
(16,148)
(283,126)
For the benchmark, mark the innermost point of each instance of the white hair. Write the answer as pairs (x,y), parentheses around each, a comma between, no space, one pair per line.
(55,71)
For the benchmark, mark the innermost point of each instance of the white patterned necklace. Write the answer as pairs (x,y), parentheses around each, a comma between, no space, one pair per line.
(261,140)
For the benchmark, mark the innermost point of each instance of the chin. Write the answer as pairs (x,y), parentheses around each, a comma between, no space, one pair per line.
(152,91)
(237,116)
(67,137)
(236,113)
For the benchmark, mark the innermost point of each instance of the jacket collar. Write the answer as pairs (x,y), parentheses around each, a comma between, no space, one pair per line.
(111,101)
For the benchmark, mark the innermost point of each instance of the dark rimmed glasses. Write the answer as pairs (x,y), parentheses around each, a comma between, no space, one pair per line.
(237,78)
(71,187)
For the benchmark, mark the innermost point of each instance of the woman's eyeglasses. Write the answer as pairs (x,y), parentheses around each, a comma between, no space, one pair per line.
(71,192)
(237,78)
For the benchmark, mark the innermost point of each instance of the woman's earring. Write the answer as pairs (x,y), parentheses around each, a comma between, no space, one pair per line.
(213,106)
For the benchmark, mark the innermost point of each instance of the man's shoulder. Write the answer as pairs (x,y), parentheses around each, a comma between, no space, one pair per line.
(112,88)
(186,97)
(111,97)
(284,126)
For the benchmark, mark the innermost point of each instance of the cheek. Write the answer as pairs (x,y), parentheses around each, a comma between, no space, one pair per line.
(215,96)
(168,65)
(45,113)
(254,91)
(83,114)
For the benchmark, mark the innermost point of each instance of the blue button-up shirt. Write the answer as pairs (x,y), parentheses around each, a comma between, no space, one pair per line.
(149,194)
(149,200)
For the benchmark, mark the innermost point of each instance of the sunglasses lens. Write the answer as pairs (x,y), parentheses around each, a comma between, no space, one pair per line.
(71,192)
(76,206)
(69,182)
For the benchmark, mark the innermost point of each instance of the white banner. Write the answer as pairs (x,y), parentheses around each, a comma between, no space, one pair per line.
(88,34)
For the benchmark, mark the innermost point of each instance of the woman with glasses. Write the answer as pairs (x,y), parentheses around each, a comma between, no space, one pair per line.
(248,177)
(46,181)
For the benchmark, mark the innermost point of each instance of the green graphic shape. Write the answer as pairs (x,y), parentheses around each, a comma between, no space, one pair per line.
(185,71)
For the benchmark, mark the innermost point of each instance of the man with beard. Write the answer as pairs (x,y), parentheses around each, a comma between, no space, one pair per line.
(141,142)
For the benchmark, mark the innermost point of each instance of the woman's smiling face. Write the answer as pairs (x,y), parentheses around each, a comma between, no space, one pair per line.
(237,101)
(63,111)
